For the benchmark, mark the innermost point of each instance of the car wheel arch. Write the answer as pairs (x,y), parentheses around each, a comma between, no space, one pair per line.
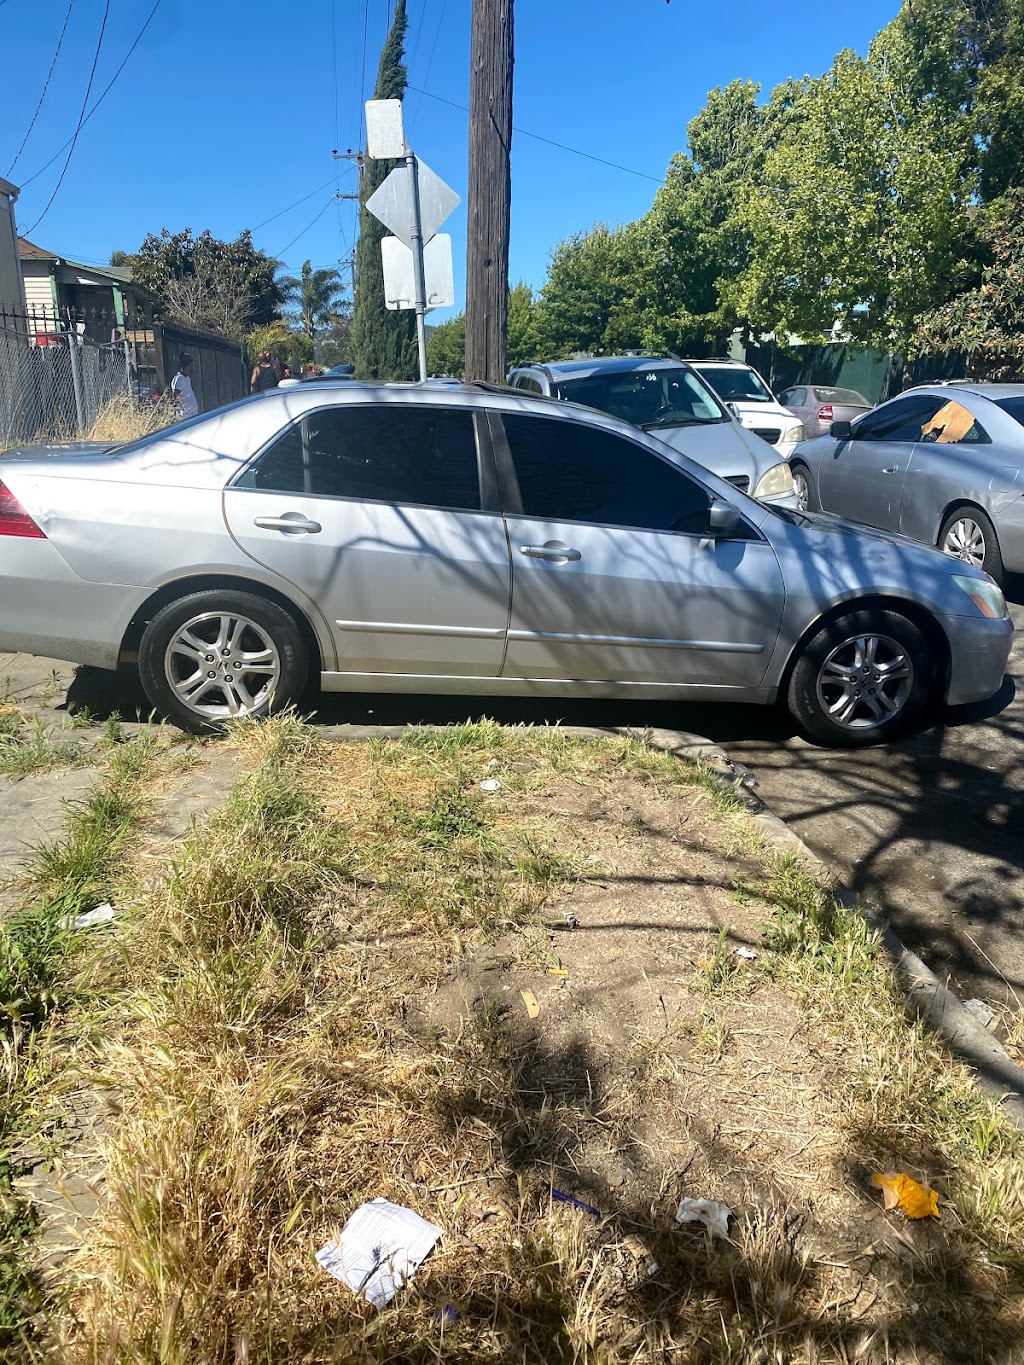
(183,587)
(919,615)
(957,505)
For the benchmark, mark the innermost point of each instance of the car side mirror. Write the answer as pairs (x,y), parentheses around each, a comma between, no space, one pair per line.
(723,517)
(840,430)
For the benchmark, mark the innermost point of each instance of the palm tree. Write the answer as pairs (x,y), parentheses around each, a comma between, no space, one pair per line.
(315,297)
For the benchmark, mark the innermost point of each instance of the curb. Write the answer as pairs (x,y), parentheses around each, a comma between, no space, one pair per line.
(994,1068)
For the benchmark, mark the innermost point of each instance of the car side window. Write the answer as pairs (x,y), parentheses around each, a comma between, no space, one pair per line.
(570,472)
(387,453)
(797,397)
(903,420)
(527,382)
(952,425)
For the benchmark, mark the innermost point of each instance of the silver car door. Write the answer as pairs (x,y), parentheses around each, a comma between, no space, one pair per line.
(375,512)
(603,587)
(862,478)
(952,461)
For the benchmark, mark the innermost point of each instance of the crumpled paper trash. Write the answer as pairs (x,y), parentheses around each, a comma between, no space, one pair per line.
(710,1212)
(378,1249)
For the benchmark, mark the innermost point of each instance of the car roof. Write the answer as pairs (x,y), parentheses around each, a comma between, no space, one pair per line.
(603,364)
(986,388)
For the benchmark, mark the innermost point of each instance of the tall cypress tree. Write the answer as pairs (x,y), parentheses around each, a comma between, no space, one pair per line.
(383,343)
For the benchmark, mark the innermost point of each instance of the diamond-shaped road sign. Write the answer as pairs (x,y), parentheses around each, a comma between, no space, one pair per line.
(392,202)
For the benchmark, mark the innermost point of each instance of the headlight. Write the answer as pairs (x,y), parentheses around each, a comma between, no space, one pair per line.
(793,434)
(775,482)
(987,597)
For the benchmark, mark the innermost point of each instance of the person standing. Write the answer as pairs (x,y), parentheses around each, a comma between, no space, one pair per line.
(264,374)
(181,388)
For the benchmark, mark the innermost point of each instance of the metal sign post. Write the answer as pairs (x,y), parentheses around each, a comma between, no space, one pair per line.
(416,235)
(413,202)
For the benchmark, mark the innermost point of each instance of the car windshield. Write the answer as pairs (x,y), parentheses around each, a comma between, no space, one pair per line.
(731,382)
(1014,406)
(661,396)
(850,396)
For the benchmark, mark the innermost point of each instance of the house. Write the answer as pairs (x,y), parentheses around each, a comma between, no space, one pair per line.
(12,295)
(61,294)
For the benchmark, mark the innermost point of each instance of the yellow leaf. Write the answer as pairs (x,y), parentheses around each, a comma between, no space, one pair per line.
(530,1001)
(902,1191)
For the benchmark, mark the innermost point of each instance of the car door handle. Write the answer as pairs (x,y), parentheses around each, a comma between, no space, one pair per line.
(891,469)
(292,523)
(552,550)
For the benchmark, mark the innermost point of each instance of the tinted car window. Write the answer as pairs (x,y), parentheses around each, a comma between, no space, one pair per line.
(954,425)
(659,395)
(1014,406)
(903,420)
(527,381)
(567,472)
(392,453)
(795,398)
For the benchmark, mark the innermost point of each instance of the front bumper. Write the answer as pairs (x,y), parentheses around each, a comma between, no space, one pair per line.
(978,650)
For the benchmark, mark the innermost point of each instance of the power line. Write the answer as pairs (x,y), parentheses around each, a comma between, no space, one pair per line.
(81,120)
(101,98)
(46,86)
(550,141)
(280,214)
(280,253)
(430,63)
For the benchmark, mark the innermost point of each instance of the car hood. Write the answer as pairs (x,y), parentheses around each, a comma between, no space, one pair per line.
(761,414)
(723,447)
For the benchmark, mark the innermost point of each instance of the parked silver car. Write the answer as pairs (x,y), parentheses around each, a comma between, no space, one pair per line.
(670,398)
(942,463)
(741,387)
(819,405)
(470,540)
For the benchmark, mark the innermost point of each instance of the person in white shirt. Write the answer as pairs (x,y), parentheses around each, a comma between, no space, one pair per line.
(181,388)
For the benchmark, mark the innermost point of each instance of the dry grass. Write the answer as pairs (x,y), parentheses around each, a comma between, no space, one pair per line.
(123,419)
(277,1066)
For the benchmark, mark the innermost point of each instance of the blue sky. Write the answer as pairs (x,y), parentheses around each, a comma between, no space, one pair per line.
(226,114)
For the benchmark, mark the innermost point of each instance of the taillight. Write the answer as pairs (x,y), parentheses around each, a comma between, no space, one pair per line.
(14,520)
(825,413)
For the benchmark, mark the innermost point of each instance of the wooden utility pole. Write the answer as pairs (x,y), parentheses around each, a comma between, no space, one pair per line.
(490,190)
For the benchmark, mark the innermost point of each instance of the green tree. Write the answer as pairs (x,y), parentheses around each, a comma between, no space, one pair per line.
(227,287)
(315,297)
(987,322)
(523,341)
(383,342)
(588,302)
(446,347)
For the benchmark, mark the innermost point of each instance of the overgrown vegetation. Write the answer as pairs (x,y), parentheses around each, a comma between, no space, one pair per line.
(275,1067)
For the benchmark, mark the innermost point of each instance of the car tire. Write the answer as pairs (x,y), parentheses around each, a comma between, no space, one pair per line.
(250,650)
(803,485)
(967,534)
(864,678)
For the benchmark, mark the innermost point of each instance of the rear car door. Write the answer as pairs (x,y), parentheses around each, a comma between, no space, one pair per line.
(862,478)
(376,512)
(613,575)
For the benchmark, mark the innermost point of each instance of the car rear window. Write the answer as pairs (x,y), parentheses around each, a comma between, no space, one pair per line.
(841,396)
(1014,406)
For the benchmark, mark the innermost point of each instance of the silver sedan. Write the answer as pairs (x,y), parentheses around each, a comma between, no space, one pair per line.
(466,540)
(943,464)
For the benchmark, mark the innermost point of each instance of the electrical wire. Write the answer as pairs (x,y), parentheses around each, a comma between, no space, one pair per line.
(550,141)
(46,86)
(280,214)
(430,63)
(81,120)
(280,253)
(416,36)
(100,98)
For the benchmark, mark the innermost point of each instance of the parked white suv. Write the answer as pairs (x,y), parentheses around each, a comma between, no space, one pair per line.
(752,400)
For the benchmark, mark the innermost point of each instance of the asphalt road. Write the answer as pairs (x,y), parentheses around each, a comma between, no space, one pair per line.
(931,830)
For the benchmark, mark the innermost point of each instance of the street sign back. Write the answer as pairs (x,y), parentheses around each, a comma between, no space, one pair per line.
(385,135)
(392,202)
(400,279)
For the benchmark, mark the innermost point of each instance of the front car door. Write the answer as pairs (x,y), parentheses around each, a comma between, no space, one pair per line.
(952,460)
(614,578)
(376,512)
(862,478)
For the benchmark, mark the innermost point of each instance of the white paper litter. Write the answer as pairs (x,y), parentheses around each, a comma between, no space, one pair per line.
(103,914)
(490,784)
(378,1249)
(747,953)
(710,1212)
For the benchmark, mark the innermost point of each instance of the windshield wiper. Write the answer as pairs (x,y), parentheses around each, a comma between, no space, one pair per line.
(675,422)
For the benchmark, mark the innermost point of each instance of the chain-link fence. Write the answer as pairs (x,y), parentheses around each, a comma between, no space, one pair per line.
(53,384)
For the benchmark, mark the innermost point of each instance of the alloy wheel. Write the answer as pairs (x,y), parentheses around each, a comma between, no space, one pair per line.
(221,665)
(802,490)
(865,681)
(965,540)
